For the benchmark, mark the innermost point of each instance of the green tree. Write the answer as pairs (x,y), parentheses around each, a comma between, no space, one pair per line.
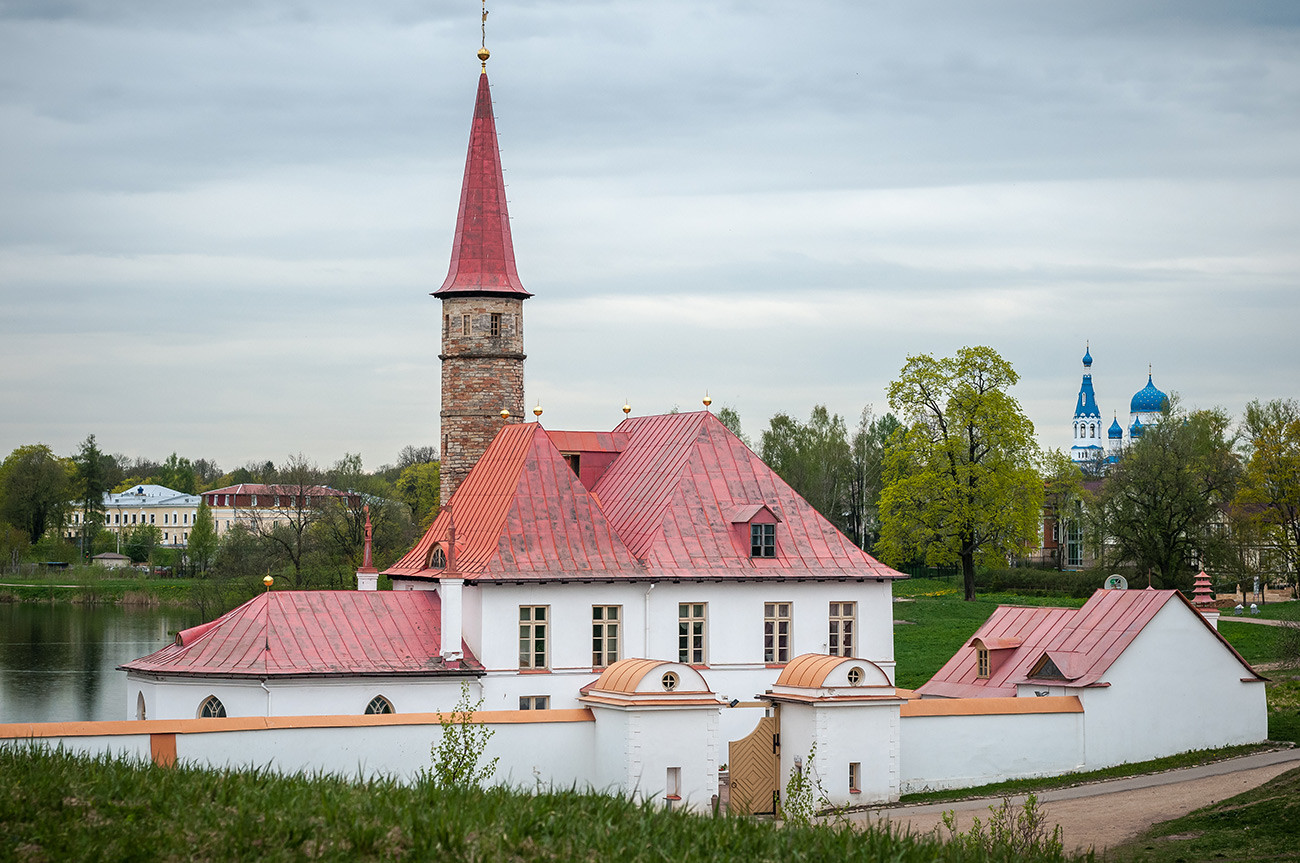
(91,477)
(1063,499)
(34,490)
(202,545)
(419,487)
(813,458)
(866,466)
(961,481)
(1162,505)
(1269,495)
(458,754)
(177,473)
(141,542)
(287,530)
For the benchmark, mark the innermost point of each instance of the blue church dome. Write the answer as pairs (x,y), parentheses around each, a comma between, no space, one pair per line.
(1116,431)
(1148,399)
(1135,430)
(1087,357)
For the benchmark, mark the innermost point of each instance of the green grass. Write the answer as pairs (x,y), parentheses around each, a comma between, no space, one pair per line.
(54,806)
(1258,825)
(1255,643)
(93,584)
(1013,787)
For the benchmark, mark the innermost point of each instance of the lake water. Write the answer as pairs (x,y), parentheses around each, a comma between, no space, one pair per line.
(57,660)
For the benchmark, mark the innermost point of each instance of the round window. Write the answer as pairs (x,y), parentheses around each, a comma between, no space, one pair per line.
(855,676)
(670,680)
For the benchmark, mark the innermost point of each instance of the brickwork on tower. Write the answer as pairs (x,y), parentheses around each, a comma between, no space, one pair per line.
(482,373)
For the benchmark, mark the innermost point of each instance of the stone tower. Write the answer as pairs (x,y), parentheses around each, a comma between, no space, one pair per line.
(482,308)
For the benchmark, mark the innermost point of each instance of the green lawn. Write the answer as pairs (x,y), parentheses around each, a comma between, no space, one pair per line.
(1263,824)
(55,806)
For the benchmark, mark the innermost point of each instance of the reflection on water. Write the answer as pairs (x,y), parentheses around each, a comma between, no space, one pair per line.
(57,661)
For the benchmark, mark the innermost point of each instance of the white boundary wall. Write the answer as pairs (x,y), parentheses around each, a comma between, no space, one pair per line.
(961,750)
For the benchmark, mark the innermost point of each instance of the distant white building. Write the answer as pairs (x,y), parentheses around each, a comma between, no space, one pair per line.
(171,511)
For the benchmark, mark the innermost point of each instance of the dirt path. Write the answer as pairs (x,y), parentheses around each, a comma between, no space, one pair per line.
(1104,814)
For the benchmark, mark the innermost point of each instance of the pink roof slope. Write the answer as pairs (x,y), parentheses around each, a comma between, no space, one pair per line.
(521,513)
(1083,643)
(665,506)
(482,253)
(314,633)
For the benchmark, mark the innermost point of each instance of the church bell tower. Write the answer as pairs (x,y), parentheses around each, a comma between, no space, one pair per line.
(482,308)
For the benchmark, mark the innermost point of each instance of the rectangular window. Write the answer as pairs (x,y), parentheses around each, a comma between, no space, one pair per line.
(532,636)
(762,540)
(855,777)
(843,615)
(186,518)
(776,632)
(691,633)
(604,634)
(534,702)
(495,324)
(982,661)
(164,518)
(132,518)
(464,325)
(151,518)
(446,326)
(164,536)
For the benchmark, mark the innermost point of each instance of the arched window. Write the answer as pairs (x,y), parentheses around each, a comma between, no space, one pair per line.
(212,708)
(139,705)
(379,704)
(438,560)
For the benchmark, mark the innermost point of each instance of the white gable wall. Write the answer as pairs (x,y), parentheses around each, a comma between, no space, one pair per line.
(843,733)
(1176,688)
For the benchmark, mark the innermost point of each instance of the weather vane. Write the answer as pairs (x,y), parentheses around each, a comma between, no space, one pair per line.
(483,53)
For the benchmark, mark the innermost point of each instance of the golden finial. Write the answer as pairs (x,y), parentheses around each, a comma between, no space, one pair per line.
(505,413)
(627,408)
(537,411)
(268,581)
(483,52)
(707,401)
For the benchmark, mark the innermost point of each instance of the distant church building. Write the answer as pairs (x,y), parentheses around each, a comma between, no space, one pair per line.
(1088,450)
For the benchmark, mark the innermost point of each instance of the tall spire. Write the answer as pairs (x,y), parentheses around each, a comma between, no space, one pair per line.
(482,253)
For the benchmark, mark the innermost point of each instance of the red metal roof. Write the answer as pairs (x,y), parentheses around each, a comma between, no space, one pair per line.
(482,253)
(314,633)
(1083,643)
(247,488)
(664,507)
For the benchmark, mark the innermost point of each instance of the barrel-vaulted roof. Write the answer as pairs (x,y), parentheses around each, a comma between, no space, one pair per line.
(482,253)
(665,506)
(320,633)
(1080,644)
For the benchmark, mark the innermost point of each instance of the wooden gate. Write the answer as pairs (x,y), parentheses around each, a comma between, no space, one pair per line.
(754,763)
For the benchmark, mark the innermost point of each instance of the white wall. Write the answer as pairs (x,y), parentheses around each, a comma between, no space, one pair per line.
(181,697)
(843,733)
(1176,688)
(963,751)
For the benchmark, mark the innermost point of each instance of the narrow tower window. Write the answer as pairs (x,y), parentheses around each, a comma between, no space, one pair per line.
(495,324)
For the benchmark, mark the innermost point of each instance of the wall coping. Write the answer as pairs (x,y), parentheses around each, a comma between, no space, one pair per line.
(991,706)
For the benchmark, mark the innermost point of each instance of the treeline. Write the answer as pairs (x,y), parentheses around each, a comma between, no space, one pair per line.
(320,543)
(953,477)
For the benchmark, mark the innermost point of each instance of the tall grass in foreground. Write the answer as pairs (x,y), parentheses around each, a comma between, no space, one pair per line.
(57,806)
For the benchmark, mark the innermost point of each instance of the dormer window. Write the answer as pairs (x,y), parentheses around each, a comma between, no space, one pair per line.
(982,662)
(762,540)
(438,560)
(574,461)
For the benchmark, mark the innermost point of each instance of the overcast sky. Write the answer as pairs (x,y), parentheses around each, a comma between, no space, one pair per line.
(220,222)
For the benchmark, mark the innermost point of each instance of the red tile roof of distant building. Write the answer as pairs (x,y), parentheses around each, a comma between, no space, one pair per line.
(314,633)
(662,508)
(248,488)
(1082,642)
(482,253)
